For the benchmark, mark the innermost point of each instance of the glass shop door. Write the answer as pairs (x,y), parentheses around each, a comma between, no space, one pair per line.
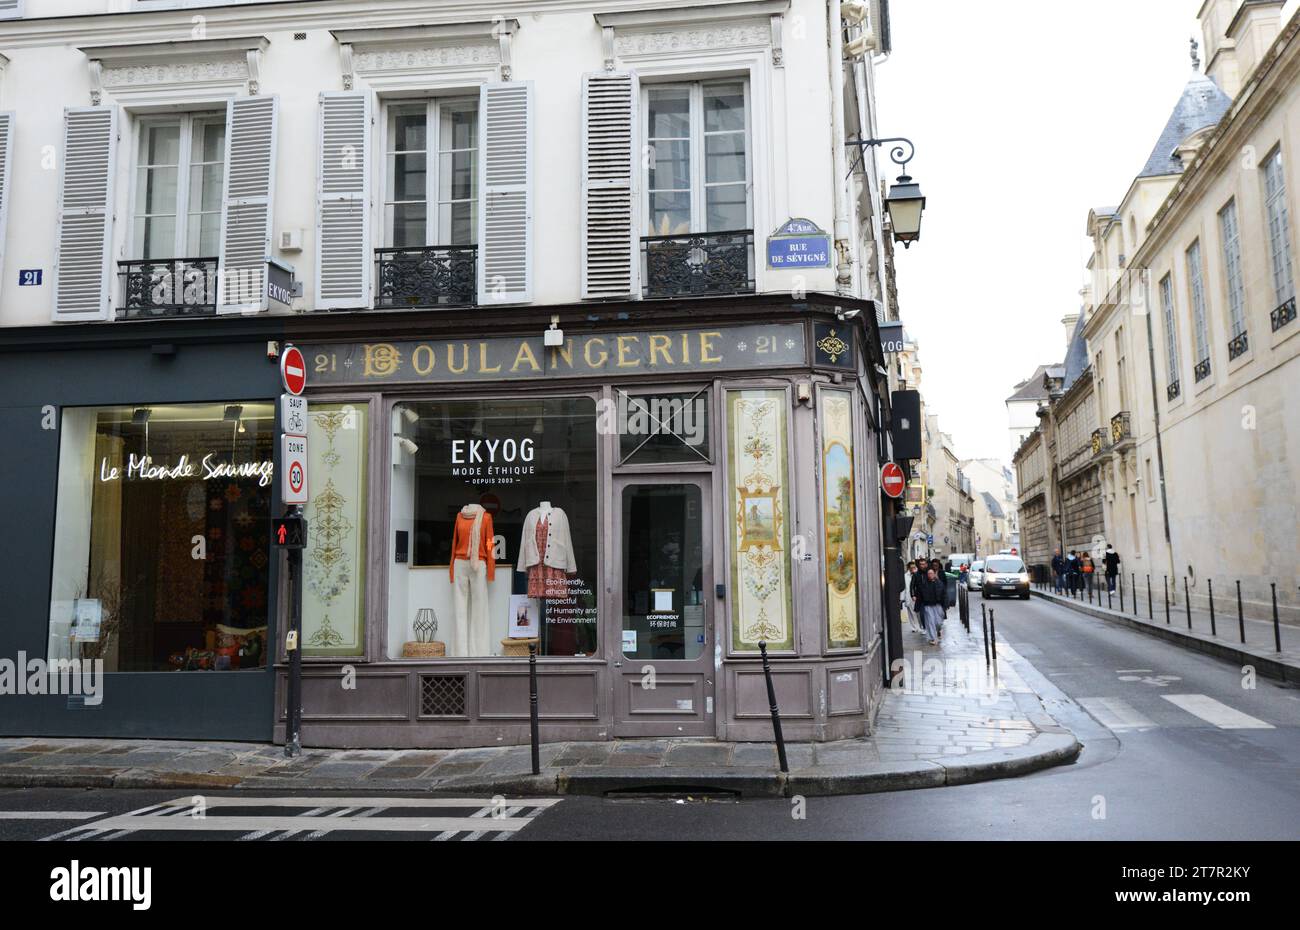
(663,674)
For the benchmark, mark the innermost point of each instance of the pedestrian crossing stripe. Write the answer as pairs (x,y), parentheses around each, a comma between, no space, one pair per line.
(1115,714)
(1216,712)
(319,816)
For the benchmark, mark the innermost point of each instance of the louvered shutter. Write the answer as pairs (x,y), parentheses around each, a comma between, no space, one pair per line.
(246,211)
(343,258)
(505,223)
(6,173)
(609,163)
(82,265)
(11,9)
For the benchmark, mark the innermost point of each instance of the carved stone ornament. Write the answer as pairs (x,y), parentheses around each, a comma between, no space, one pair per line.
(694,39)
(187,71)
(426,57)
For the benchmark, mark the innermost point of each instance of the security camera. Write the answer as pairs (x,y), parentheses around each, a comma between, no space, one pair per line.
(860,46)
(553,336)
(410,415)
(408,447)
(853,11)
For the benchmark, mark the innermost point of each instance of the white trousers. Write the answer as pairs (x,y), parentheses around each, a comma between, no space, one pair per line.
(470,595)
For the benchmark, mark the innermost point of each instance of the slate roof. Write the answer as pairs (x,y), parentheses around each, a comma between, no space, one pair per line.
(1202,104)
(1076,356)
(991,502)
(1032,389)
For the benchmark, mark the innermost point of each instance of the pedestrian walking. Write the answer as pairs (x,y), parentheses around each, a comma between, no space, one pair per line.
(1111,561)
(1072,572)
(934,604)
(1088,570)
(1058,571)
(909,603)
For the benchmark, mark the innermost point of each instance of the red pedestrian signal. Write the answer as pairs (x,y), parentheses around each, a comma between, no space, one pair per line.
(289,532)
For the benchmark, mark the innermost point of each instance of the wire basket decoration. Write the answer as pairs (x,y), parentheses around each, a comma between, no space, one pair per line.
(425,626)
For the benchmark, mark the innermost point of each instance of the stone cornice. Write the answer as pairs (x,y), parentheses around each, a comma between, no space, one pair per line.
(151,53)
(684,16)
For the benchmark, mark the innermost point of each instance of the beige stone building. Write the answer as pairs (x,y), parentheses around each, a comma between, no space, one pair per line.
(992,487)
(1192,340)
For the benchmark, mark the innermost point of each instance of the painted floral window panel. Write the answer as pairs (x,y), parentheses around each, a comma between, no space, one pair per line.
(839,520)
(759,531)
(333,602)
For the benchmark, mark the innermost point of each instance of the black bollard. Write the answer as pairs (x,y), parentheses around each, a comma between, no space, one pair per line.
(1133,593)
(1209,587)
(993,640)
(1120,580)
(984,629)
(1166,600)
(532,707)
(1240,617)
(1151,613)
(776,714)
(1277,629)
(1187,596)
(1109,604)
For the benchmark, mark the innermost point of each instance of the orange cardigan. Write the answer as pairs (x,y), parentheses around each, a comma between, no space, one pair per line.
(460,543)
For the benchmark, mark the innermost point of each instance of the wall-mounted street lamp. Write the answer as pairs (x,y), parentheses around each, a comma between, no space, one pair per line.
(905,201)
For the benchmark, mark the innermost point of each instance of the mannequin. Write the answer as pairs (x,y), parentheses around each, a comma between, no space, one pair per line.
(546,552)
(472,567)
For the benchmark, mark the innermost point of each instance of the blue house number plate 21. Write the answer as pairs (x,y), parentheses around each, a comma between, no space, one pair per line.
(30,277)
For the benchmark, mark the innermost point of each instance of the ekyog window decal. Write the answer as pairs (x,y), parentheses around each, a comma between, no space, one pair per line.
(494,528)
(161,553)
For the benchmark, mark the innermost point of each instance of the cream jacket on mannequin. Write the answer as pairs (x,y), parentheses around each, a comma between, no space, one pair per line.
(559,544)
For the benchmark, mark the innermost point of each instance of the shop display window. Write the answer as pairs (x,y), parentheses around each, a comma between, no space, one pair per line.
(161,547)
(495,532)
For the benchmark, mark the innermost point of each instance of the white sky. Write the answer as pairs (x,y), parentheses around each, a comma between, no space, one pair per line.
(1025,115)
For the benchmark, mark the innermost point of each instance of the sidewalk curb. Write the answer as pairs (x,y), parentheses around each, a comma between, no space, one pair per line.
(1050,747)
(1264,662)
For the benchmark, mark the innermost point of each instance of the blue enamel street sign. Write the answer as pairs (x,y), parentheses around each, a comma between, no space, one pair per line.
(799,243)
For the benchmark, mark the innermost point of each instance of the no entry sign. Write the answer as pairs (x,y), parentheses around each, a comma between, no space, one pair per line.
(293,370)
(891,479)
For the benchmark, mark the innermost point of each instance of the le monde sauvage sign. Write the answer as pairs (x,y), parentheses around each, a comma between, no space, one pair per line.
(772,345)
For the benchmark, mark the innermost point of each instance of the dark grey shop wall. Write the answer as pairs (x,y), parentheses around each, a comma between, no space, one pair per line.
(68,369)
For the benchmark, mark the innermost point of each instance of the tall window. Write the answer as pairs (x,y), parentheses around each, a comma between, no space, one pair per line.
(179,183)
(1197,286)
(698,177)
(1171,329)
(1232,267)
(431,186)
(1120,365)
(1278,235)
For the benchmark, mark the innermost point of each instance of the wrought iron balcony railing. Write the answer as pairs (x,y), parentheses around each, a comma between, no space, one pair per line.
(1173,390)
(168,287)
(1238,345)
(1121,429)
(1202,370)
(432,276)
(698,264)
(1283,315)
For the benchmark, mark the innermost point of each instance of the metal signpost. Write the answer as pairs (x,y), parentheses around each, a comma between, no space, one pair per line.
(290,531)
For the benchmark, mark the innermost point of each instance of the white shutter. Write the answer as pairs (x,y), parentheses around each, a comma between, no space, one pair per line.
(82,264)
(6,173)
(505,200)
(609,174)
(246,211)
(11,9)
(343,257)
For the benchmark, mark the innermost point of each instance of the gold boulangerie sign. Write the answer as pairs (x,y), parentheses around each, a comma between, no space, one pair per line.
(756,453)
(333,604)
(839,520)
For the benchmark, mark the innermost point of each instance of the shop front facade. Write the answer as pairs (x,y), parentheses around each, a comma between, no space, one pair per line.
(643,503)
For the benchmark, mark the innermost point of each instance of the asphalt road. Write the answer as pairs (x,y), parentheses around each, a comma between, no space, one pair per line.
(1175,748)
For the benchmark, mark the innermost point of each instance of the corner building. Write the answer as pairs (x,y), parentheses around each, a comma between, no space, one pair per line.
(590,310)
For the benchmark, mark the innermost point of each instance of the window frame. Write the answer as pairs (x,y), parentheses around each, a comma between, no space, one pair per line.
(1277,222)
(1196,291)
(1173,373)
(1230,241)
(184,166)
(696,152)
(433,153)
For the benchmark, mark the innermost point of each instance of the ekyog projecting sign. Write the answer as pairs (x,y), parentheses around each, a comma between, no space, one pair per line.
(512,358)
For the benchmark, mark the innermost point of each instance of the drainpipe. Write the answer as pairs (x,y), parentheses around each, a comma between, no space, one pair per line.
(844,269)
(1155,411)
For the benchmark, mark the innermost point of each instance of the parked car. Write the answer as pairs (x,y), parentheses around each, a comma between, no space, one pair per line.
(1005,575)
(975,578)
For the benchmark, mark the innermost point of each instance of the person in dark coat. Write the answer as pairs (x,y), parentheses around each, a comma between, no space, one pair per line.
(922,564)
(933,593)
(1111,560)
(1058,572)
